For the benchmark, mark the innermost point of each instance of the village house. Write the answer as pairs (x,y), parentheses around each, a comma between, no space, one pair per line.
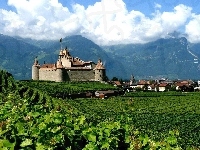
(152,87)
(184,85)
(163,87)
(117,83)
(142,83)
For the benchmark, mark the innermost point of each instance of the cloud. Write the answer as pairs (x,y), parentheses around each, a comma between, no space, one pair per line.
(157,5)
(106,23)
(193,29)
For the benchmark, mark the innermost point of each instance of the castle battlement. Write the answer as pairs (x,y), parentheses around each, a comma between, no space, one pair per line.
(68,68)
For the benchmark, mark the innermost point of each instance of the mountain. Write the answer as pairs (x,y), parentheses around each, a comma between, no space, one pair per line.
(17,54)
(42,44)
(171,58)
(86,50)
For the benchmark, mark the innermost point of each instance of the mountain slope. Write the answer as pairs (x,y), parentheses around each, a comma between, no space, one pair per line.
(87,50)
(17,56)
(172,58)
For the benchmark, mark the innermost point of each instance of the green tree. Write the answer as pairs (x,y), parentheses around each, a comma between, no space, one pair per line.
(115,79)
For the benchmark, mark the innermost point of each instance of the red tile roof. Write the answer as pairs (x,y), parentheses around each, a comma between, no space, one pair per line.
(78,68)
(117,83)
(163,85)
(77,62)
(142,82)
(47,66)
(181,84)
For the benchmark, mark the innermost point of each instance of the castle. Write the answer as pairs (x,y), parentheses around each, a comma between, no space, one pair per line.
(68,68)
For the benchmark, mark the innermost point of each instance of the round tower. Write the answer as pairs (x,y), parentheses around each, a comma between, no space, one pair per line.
(99,71)
(59,72)
(35,70)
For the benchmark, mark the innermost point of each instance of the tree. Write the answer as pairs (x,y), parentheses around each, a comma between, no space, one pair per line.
(114,79)
(105,78)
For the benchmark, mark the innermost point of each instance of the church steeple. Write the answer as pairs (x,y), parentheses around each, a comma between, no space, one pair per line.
(132,79)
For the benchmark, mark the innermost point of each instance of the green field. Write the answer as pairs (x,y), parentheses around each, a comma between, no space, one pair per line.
(152,113)
(32,117)
(54,88)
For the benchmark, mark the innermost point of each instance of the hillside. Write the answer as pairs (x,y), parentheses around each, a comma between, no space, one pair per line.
(31,118)
(83,48)
(172,58)
(17,54)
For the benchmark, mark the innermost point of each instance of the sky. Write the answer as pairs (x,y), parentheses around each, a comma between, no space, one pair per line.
(105,22)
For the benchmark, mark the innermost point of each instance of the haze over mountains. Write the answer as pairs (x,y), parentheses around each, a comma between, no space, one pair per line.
(173,57)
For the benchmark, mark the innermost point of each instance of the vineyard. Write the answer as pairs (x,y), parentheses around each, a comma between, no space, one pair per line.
(31,117)
(154,114)
(64,89)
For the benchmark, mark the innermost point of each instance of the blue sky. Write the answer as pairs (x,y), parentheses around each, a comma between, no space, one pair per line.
(145,6)
(106,22)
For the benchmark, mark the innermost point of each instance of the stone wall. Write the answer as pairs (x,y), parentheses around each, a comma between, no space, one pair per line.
(81,75)
(60,75)
(51,74)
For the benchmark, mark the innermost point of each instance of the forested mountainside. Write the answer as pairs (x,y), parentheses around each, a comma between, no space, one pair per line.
(172,58)
(17,54)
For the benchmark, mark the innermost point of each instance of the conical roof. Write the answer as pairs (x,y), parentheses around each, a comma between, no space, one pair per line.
(99,65)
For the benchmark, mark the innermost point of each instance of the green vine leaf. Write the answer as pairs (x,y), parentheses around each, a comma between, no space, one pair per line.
(25,143)
(7,144)
(91,137)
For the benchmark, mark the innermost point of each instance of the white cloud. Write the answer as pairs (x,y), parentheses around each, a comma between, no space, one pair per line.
(193,29)
(157,5)
(107,22)
(177,18)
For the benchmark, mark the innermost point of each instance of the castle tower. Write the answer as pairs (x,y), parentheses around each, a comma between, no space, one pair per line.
(99,71)
(35,70)
(59,72)
(65,58)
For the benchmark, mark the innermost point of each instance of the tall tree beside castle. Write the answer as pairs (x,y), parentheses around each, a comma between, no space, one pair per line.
(68,68)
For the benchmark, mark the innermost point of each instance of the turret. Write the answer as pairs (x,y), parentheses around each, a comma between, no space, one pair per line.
(99,71)
(35,70)
(65,58)
(59,70)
